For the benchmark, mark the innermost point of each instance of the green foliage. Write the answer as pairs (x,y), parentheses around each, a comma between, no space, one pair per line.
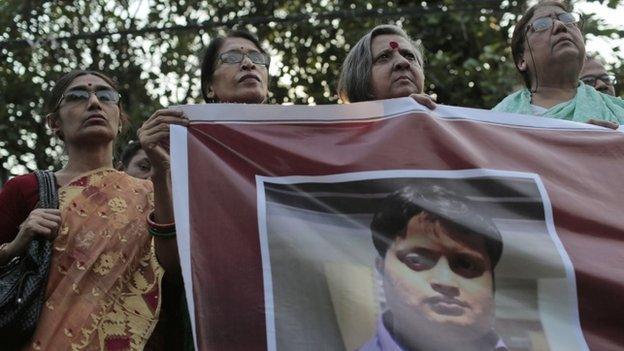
(154,53)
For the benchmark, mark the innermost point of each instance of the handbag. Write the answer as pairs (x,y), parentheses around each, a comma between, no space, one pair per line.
(23,280)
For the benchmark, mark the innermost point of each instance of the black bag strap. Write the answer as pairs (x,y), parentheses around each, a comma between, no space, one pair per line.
(48,194)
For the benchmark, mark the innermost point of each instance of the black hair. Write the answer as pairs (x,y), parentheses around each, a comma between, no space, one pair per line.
(397,209)
(128,153)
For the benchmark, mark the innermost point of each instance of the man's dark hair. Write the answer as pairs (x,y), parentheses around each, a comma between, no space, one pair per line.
(128,153)
(519,34)
(209,61)
(456,212)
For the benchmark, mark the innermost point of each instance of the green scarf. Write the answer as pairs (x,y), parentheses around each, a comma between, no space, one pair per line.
(588,103)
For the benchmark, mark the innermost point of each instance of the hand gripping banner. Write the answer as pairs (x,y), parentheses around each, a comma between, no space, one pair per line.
(386,226)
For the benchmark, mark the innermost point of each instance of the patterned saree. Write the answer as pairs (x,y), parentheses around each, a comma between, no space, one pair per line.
(103,292)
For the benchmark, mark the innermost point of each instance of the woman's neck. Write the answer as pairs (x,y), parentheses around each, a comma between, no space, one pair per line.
(85,158)
(548,97)
(554,85)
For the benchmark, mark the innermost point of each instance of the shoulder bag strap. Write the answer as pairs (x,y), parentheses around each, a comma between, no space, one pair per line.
(48,194)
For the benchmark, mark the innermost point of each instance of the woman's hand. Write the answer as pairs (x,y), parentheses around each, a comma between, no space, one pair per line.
(606,124)
(425,100)
(41,222)
(154,136)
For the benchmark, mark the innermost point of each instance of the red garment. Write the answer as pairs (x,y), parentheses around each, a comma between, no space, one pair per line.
(18,198)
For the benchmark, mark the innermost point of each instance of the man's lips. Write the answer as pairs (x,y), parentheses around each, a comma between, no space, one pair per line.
(249,76)
(447,305)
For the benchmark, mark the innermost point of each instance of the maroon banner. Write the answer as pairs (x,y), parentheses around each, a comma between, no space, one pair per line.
(250,183)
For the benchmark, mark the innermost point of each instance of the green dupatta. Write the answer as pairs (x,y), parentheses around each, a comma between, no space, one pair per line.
(588,103)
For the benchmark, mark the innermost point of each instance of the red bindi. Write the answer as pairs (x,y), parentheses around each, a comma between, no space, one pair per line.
(394,45)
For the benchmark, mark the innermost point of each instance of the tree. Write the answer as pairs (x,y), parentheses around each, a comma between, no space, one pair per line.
(154,51)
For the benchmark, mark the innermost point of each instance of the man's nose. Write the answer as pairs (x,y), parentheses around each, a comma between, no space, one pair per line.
(600,85)
(443,280)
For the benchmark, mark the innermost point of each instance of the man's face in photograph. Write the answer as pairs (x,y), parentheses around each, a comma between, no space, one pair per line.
(438,278)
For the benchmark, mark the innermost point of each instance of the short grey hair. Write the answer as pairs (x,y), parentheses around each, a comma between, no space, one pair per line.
(355,76)
(595,57)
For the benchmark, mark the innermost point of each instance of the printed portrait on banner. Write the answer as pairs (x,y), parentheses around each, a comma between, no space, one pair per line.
(414,260)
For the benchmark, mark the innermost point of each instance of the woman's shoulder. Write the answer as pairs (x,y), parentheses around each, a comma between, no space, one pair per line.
(512,102)
(18,197)
(23,184)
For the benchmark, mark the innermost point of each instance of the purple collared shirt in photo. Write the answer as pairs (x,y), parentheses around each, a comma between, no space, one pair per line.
(383,341)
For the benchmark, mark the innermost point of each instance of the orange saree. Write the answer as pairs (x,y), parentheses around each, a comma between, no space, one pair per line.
(103,291)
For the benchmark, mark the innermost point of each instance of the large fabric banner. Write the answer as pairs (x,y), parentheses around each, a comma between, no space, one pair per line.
(386,226)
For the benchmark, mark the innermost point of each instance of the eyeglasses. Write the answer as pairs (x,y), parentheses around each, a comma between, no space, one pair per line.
(545,23)
(605,78)
(235,56)
(107,96)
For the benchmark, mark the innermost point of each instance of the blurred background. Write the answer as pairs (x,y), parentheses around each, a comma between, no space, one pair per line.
(154,49)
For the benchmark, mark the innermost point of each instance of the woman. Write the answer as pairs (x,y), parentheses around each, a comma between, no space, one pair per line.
(549,52)
(385,63)
(235,69)
(103,289)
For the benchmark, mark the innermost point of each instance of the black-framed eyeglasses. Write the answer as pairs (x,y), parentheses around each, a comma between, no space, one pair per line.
(106,96)
(235,56)
(545,23)
(605,78)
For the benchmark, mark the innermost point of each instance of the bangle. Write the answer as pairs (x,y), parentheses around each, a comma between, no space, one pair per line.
(159,227)
(10,260)
(161,234)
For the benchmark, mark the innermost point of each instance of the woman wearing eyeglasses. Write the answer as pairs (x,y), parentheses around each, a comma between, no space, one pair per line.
(235,69)
(103,288)
(548,51)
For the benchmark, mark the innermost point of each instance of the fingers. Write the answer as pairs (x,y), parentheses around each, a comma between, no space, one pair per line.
(166,116)
(156,128)
(152,138)
(51,214)
(425,100)
(606,124)
(40,222)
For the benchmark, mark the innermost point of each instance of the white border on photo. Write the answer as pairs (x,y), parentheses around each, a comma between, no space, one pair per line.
(581,344)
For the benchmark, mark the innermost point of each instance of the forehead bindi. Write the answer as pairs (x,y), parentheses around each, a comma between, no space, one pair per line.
(240,44)
(390,42)
(89,82)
